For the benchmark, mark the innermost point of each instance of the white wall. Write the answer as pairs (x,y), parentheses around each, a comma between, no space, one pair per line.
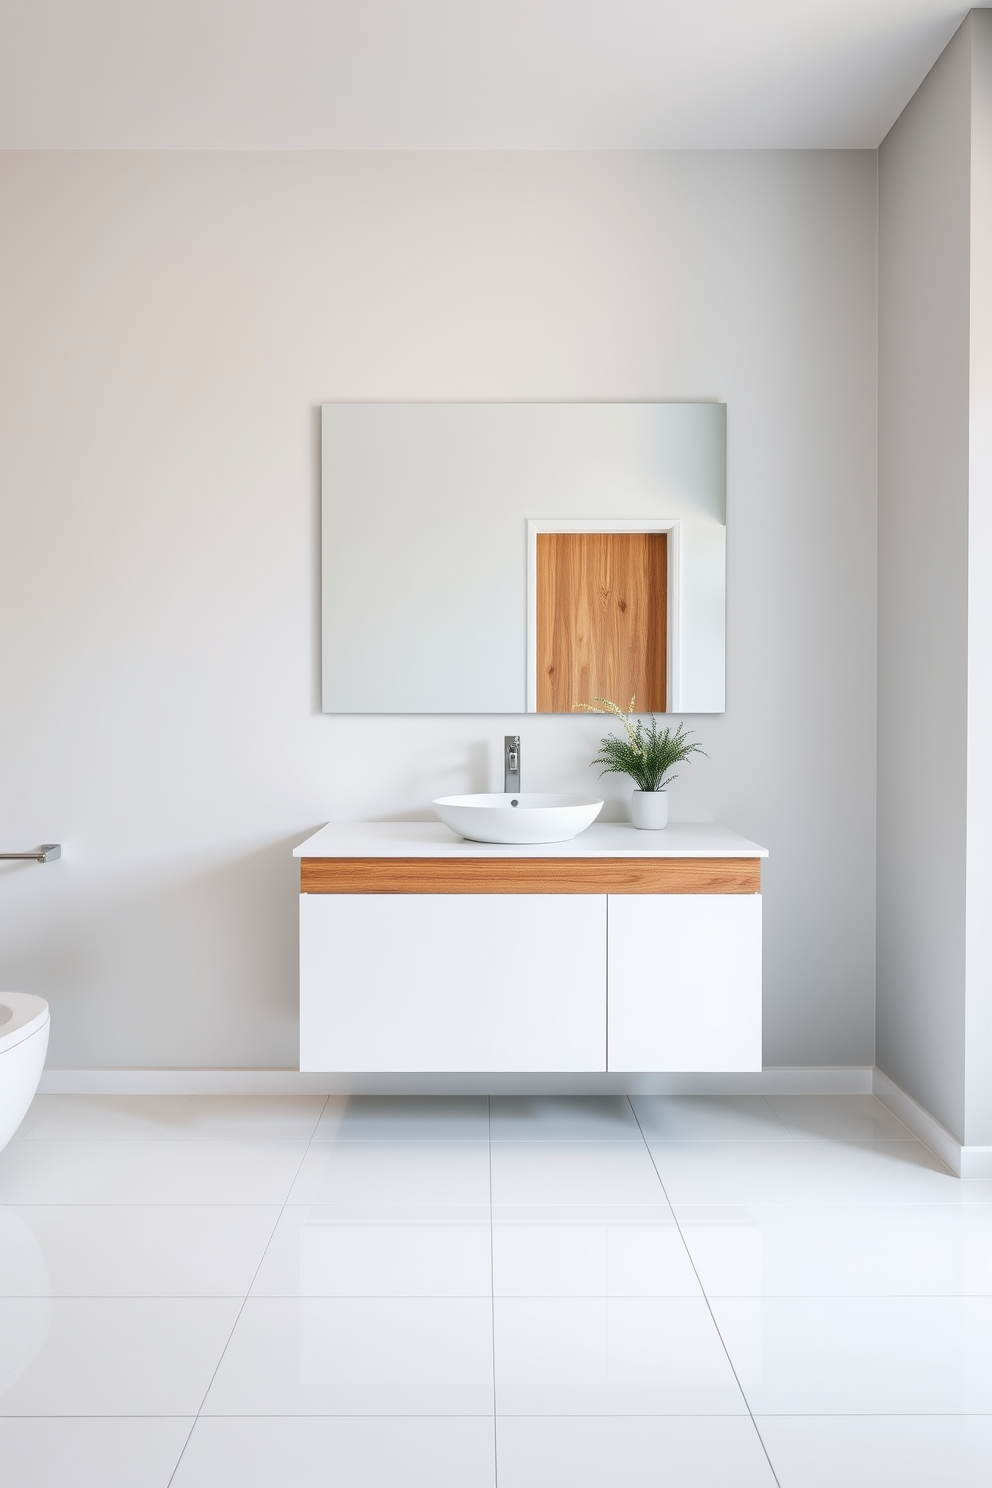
(170,324)
(935,599)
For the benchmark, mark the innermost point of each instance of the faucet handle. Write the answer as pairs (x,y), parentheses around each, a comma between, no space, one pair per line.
(511,762)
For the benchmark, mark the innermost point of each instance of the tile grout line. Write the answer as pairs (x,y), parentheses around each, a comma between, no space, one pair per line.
(60,1101)
(705,1296)
(492,1287)
(261,1259)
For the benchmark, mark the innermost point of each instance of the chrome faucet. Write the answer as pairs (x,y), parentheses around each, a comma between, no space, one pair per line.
(511,763)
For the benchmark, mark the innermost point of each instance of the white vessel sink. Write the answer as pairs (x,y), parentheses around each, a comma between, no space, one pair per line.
(526,816)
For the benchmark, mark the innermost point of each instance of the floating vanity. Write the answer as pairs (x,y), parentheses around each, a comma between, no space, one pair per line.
(619,952)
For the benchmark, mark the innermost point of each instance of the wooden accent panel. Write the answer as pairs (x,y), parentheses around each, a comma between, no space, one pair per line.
(602,619)
(530,876)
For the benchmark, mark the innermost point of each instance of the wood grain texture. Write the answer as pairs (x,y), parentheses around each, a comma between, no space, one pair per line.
(530,876)
(602,619)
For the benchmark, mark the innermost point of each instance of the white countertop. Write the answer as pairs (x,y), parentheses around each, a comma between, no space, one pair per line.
(601,840)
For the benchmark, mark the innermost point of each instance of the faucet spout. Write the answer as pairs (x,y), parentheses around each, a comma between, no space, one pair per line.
(511,763)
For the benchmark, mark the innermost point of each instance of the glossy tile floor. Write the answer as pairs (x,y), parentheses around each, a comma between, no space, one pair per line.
(678,1291)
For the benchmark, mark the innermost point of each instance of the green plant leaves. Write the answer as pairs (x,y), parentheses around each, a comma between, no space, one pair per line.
(648,752)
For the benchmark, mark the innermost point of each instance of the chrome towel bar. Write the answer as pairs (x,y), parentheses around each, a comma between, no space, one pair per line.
(47,853)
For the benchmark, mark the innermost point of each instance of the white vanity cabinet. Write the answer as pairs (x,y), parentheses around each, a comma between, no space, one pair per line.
(684,980)
(437,982)
(620,952)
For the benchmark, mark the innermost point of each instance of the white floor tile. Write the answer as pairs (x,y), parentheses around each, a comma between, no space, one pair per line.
(94,1452)
(592,1259)
(404,1118)
(110,1118)
(586,1356)
(86,1356)
(252,1118)
(605,1118)
(588,1214)
(851,1279)
(734,1173)
(853,1250)
(175,1118)
(862,1355)
(879,1451)
(420,1173)
(857,1118)
(708,1118)
(632,1451)
(132,1251)
(40,1107)
(339,1452)
(574,1173)
(148,1172)
(357,1356)
(314,1257)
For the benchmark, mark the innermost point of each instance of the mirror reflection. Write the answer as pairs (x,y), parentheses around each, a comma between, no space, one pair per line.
(523,557)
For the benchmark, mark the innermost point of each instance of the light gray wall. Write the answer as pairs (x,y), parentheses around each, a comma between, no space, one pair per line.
(923,317)
(935,608)
(978,917)
(170,325)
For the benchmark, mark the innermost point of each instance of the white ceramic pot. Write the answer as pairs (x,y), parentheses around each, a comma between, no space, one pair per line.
(649,809)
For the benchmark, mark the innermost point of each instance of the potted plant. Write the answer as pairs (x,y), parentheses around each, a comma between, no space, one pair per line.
(647,756)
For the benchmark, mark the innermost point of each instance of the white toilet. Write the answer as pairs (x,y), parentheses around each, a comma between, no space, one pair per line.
(24,1025)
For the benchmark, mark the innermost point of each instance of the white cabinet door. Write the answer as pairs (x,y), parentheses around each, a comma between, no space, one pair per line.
(684,982)
(452,982)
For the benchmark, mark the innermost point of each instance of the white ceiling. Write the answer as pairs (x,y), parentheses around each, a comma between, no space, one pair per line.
(462,74)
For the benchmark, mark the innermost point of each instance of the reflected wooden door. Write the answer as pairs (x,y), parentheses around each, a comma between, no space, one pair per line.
(602,619)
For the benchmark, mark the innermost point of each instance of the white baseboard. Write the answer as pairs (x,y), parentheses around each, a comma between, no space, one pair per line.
(925,1127)
(967,1161)
(976,1162)
(814,1080)
(964,1160)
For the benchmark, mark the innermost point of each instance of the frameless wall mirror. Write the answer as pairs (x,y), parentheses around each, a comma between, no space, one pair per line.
(523,557)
